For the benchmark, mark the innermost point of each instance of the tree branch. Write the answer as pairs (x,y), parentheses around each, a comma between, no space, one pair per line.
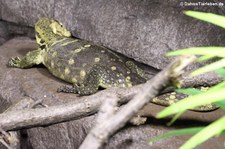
(84,106)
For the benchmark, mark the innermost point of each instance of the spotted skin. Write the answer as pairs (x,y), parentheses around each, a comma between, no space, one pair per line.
(85,65)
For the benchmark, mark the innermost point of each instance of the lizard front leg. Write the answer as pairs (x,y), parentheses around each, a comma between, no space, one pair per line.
(31,58)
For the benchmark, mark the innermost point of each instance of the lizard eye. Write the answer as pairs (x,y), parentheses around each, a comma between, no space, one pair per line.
(57,22)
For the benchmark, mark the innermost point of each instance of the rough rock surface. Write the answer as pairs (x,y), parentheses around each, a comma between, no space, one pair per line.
(144,30)
(9,30)
(38,83)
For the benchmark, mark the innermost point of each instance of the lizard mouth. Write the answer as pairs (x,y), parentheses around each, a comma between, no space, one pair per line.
(59,29)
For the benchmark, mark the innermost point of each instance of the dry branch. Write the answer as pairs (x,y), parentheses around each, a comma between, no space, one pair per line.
(10,139)
(27,118)
(101,132)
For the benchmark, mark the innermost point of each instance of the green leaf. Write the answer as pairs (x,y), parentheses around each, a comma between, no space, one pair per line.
(185,131)
(221,104)
(221,72)
(175,118)
(208,17)
(193,101)
(210,67)
(189,91)
(218,86)
(205,58)
(213,129)
(208,51)
(223,132)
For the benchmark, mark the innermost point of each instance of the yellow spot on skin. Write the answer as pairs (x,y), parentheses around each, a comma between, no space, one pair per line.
(87,45)
(128,78)
(97,59)
(71,61)
(67,71)
(62,76)
(52,64)
(120,80)
(74,80)
(84,64)
(54,54)
(82,74)
(129,85)
(77,50)
(209,106)
(155,99)
(172,97)
(171,102)
(167,98)
(204,88)
(113,68)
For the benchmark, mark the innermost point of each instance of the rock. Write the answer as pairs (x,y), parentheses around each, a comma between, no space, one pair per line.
(144,30)
(4,33)
(9,30)
(38,83)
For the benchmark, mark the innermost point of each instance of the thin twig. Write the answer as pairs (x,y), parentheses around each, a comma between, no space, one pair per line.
(5,144)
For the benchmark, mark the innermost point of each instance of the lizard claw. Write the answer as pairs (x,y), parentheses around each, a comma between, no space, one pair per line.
(14,62)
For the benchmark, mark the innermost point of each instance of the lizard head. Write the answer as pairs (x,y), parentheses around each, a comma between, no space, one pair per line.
(47,30)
